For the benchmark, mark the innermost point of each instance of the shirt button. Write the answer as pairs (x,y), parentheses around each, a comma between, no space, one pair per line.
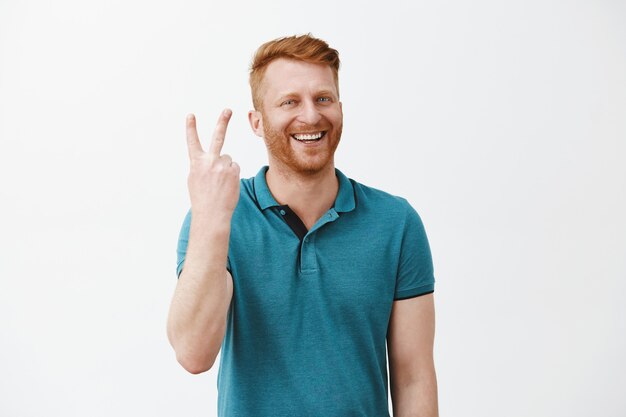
(283,212)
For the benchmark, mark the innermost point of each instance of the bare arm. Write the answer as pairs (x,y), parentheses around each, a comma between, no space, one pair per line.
(197,318)
(411,365)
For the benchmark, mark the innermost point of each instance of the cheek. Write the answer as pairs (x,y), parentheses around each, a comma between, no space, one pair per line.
(277,123)
(274,130)
(334,114)
(336,119)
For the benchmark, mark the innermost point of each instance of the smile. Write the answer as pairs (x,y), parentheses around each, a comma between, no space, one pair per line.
(308,137)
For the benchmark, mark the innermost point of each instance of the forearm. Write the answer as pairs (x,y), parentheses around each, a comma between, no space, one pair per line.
(197,317)
(417,398)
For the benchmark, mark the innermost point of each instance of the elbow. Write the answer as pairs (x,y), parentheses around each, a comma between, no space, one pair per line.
(196,355)
(194,365)
(192,359)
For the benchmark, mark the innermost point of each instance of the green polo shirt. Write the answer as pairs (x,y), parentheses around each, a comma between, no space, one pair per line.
(307,324)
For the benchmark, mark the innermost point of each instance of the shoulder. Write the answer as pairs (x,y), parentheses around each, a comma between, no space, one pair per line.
(246,192)
(247,184)
(381,201)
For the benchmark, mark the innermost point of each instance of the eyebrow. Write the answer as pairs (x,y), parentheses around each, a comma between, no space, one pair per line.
(323,92)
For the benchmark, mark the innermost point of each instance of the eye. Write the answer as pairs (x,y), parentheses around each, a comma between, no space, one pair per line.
(288,102)
(324,99)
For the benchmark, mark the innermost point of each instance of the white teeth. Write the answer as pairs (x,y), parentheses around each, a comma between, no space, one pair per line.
(308,136)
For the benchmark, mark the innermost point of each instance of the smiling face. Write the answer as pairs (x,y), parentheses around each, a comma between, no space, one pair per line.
(301,118)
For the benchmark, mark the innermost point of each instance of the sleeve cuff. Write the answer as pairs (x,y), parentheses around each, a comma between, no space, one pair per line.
(179,268)
(414,292)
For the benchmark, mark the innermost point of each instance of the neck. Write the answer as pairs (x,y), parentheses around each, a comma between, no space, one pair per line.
(309,195)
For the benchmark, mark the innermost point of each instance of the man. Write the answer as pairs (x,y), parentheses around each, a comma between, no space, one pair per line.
(300,274)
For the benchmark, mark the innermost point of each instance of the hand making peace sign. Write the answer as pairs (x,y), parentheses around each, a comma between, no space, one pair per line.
(213,178)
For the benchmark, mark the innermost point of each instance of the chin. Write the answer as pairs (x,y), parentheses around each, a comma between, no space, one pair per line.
(297,161)
(310,167)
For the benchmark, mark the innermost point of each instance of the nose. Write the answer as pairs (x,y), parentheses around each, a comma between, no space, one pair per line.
(309,113)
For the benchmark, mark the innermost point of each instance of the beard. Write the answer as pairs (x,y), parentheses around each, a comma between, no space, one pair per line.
(300,159)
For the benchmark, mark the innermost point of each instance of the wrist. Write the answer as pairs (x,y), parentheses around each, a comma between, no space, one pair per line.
(209,219)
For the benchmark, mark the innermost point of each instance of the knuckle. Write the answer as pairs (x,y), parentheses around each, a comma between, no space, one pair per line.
(219,167)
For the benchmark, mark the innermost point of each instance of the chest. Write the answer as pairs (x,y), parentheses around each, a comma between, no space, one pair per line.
(335,271)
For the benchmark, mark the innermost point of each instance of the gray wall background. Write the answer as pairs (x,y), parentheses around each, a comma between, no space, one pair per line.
(503,123)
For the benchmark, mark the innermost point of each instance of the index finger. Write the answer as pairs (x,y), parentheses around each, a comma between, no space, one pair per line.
(219,134)
(193,141)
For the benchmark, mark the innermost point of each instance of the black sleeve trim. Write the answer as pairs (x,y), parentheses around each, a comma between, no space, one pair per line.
(413,296)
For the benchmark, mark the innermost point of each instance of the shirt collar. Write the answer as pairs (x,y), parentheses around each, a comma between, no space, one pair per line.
(344,202)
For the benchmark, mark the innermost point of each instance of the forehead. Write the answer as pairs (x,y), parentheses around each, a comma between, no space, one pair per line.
(284,76)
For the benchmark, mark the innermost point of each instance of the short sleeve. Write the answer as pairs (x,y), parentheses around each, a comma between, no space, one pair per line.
(415,275)
(183,240)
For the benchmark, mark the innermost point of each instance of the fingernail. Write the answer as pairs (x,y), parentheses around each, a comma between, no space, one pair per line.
(227,112)
(190,117)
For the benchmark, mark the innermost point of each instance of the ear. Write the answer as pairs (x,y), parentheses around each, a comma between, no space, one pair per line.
(256,122)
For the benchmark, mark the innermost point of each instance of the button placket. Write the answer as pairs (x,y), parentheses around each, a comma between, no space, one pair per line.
(308,258)
(308,254)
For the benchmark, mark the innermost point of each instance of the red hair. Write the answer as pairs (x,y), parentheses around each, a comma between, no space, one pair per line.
(301,48)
